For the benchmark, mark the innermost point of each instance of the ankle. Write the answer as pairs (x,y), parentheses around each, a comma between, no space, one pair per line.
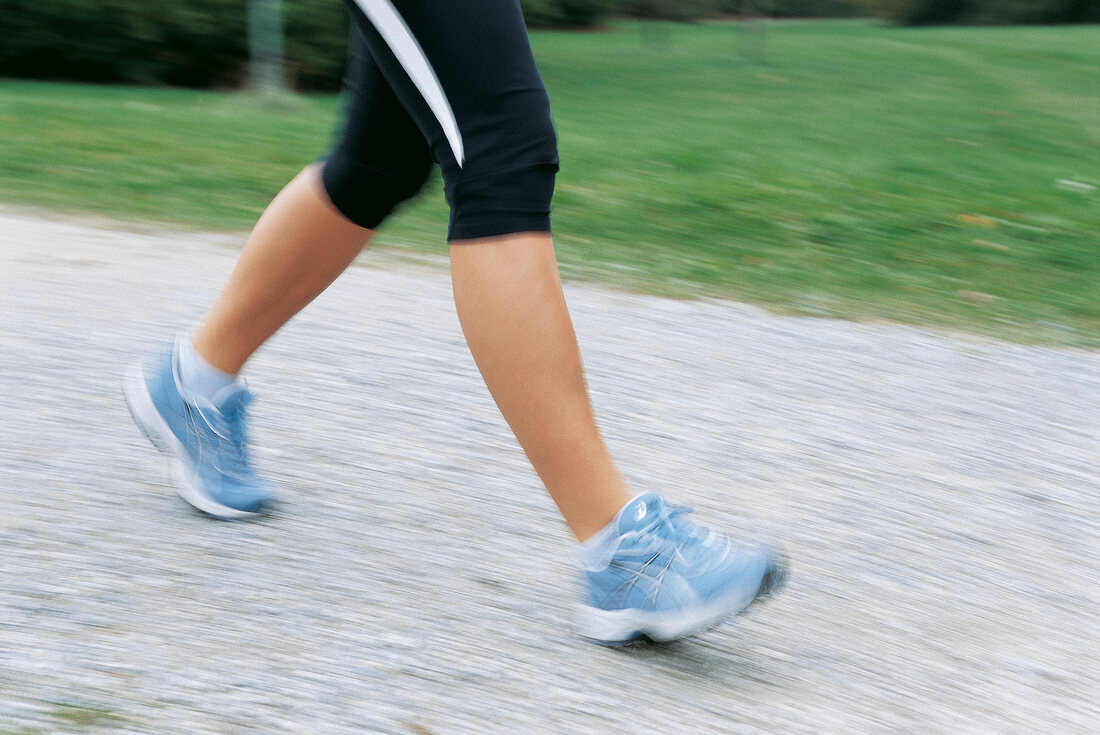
(599,510)
(197,376)
(595,552)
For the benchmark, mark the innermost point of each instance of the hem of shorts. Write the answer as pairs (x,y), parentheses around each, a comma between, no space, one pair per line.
(376,218)
(499,228)
(505,170)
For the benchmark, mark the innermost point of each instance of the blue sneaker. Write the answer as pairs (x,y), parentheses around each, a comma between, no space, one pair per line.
(657,575)
(207,438)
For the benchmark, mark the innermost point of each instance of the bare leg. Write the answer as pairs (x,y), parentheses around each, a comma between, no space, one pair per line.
(299,247)
(512,310)
(513,313)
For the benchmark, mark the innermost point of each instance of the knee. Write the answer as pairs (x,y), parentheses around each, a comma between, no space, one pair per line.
(366,195)
(507,184)
(516,200)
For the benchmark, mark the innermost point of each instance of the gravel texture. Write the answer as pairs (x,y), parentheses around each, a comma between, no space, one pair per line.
(939,496)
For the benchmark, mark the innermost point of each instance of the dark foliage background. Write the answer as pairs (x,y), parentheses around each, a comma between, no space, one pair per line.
(930,12)
(203,43)
(193,43)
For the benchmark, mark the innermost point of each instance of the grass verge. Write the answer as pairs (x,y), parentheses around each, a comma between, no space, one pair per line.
(945,177)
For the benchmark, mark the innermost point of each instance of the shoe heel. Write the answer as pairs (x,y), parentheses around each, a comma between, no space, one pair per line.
(141,407)
(608,627)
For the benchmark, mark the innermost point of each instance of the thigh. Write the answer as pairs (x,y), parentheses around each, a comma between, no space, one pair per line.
(377,131)
(464,71)
(381,157)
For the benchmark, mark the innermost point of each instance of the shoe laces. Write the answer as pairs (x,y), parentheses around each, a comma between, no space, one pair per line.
(669,540)
(230,439)
(673,532)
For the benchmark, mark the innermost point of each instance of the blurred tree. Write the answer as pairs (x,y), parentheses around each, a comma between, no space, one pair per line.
(199,43)
(316,43)
(265,45)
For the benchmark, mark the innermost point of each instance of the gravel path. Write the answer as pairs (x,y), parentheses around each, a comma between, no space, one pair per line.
(939,497)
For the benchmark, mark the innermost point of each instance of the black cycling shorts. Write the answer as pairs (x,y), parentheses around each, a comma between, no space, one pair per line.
(454,82)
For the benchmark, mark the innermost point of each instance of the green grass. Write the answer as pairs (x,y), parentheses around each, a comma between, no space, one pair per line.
(74,716)
(84,716)
(947,177)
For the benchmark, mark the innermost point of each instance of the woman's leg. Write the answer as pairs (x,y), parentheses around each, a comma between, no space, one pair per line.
(317,225)
(465,74)
(516,322)
(297,249)
(185,398)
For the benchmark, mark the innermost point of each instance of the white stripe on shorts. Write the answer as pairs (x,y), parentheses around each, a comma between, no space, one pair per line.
(401,41)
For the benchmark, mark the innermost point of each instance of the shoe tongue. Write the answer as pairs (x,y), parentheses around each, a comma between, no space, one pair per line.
(232,396)
(639,513)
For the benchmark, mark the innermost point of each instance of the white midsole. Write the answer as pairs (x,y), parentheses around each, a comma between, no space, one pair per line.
(184,474)
(613,626)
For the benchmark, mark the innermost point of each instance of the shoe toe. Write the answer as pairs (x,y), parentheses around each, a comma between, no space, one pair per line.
(775,574)
(245,498)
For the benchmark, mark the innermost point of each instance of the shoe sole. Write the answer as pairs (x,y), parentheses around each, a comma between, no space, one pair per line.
(622,627)
(157,431)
